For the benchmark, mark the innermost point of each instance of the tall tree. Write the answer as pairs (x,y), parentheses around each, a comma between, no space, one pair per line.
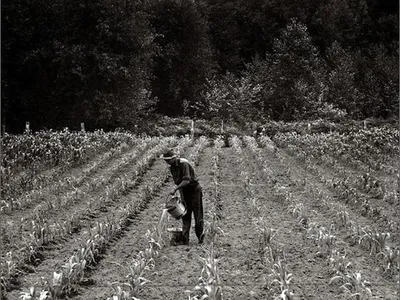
(298,74)
(184,57)
(378,77)
(341,82)
(65,62)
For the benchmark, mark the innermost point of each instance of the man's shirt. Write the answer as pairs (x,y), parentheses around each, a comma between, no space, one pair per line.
(183,170)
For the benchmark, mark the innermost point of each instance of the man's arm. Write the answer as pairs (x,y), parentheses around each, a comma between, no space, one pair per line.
(184,183)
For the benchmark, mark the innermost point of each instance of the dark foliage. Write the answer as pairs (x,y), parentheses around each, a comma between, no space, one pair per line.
(114,63)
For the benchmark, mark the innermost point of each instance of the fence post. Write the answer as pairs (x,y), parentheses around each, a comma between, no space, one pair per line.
(3,130)
(192,129)
(27,127)
(365,124)
(254,129)
(222,126)
(82,126)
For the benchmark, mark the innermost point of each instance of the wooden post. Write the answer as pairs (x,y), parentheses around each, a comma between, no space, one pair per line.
(222,126)
(82,126)
(27,127)
(192,129)
(308,127)
(365,124)
(254,129)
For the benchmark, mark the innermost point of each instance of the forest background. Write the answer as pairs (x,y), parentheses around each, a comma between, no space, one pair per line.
(124,63)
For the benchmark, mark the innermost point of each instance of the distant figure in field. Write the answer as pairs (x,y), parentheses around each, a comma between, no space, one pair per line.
(191,193)
(259,131)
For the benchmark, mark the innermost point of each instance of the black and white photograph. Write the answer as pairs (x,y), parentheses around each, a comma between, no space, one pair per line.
(200,150)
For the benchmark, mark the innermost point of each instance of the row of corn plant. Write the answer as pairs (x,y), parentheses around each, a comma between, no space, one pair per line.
(52,148)
(200,145)
(235,143)
(120,185)
(136,271)
(145,260)
(367,182)
(350,195)
(353,188)
(99,236)
(330,149)
(349,281)
(12,200)
(370,239)
(366,149)
(279,279)
(326,242)
(156,241)
(39,194)
(209,286)
(43,233)
(64,281)
(26,157)
(272,256)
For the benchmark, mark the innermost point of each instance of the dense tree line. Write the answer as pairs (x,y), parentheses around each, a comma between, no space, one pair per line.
(116,63)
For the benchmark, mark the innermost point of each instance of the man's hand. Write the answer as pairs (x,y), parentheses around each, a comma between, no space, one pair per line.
(173,192)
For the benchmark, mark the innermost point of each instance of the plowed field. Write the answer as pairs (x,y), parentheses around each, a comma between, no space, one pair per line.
(251,191)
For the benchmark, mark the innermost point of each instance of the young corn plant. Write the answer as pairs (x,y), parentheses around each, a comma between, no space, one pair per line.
(236,144)
(56,289)
(153,247)
(324,238)
(353,286)
(339,263)
(281,276)
(144,262)
(34,295)
(199,147)
(266,235)
(392,260)
(275,254)
(342,218)
(355,233)
(373,241)
(212,230)
(298,211)
(251,196)
(217,194)
(135,277)
(72,273)
(119,293)
(137,269)
(209,283)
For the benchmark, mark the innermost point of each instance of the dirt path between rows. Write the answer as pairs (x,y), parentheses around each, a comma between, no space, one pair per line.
(302,185)
(51,193)
(54,255)
(133,240)
(244,271)
(388,216)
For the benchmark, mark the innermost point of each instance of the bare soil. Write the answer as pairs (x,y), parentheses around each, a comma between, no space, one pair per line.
(244,274)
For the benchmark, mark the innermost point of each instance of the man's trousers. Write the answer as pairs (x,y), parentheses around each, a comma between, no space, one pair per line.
(192,197)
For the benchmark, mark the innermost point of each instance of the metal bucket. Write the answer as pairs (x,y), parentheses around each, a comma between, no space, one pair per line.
(176,236)
(175,207)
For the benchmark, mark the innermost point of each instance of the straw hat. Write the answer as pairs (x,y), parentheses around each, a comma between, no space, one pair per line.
(168,155)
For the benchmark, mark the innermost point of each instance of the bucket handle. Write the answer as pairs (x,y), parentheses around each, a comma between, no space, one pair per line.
(180,200)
